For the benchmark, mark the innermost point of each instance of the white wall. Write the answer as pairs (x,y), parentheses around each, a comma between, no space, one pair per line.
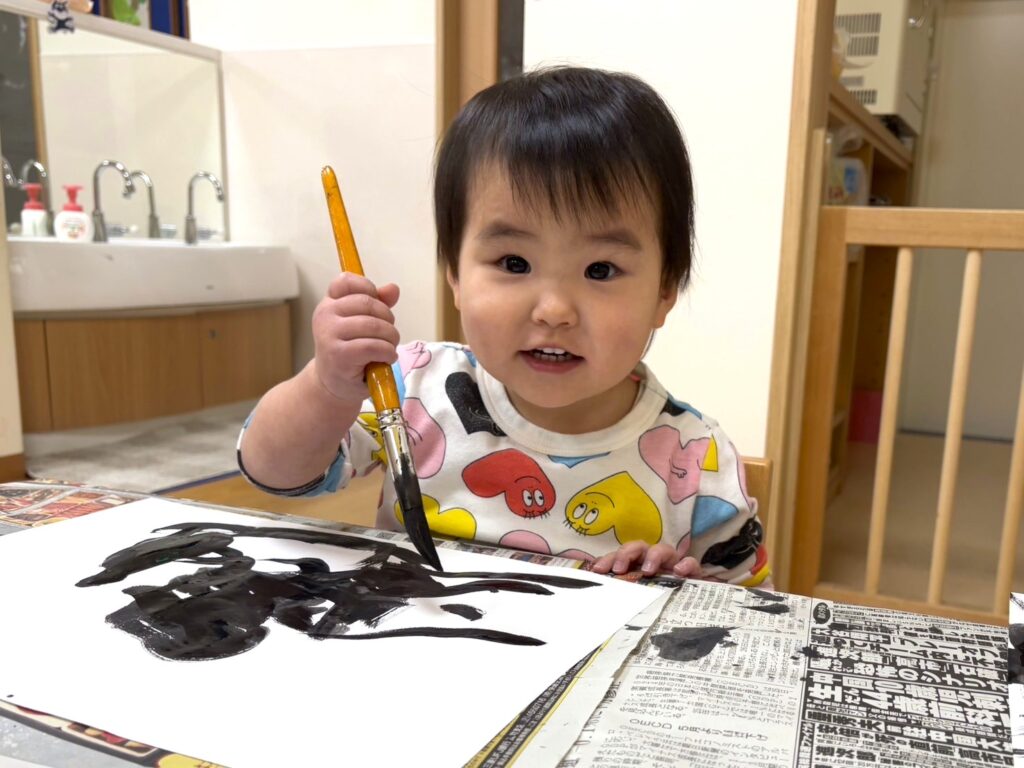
(10,408)
(971,158)
(342,83)
(726,70)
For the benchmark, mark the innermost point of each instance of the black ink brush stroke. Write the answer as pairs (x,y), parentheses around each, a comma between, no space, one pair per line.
(774,608)
(689,643)
(220,609)
(465,611)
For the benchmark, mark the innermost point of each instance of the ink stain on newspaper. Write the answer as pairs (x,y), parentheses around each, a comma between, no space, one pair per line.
(690,643)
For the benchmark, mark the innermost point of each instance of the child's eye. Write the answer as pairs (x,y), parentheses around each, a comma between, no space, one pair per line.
(601,270)
(514,264)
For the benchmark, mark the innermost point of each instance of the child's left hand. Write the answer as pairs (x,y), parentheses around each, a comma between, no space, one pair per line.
(661,558)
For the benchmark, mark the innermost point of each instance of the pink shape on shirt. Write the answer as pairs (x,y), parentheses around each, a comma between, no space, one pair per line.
(526,540)
(413,356)
(577,554)
(426,436)
(678,465)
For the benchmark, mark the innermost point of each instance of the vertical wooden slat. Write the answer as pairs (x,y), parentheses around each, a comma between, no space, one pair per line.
(467,61)
(824,327)
(1011,519)
(954,424)
(805,173)
(890,409)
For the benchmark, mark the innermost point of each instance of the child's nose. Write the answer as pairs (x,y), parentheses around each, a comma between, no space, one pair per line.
(555,307)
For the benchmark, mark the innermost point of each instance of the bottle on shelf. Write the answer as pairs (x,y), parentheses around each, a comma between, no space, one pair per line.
(72,223)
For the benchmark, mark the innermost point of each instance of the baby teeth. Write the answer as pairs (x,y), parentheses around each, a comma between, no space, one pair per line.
(552,354)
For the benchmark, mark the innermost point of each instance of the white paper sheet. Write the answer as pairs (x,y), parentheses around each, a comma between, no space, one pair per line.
(291,700)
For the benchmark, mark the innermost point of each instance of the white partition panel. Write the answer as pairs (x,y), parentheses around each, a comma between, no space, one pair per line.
(726,70)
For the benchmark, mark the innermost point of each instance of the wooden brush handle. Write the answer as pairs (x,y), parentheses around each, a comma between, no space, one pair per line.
(379,377)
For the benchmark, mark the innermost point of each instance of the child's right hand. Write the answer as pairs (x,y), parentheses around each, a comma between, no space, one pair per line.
(352,327)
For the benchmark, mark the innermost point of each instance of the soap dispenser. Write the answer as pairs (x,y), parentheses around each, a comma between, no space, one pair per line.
(33,215)
(72,223)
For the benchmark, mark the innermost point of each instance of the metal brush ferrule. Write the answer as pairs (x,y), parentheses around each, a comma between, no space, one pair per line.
(396,442)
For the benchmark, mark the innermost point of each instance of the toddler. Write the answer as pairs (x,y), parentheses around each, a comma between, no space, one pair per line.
(564,210)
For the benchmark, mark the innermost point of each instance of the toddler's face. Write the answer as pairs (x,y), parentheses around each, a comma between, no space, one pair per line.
(558,310)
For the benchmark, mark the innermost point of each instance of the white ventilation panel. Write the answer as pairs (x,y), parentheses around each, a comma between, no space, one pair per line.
(888,43)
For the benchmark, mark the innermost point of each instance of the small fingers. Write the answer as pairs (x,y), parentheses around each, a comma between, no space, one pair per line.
(348,283)
(388,294)
(364,327)
(356,304)
(687,568)
(660,557)
(628,555)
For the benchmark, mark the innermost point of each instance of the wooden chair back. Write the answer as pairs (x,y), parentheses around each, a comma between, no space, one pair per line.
(759,485)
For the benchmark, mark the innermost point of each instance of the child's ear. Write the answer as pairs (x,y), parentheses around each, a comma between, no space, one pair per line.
(453,283)
(666,301)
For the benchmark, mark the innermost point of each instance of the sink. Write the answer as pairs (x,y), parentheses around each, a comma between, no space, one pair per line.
(49,276)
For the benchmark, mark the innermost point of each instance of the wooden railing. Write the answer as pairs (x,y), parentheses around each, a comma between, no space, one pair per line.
(905,229)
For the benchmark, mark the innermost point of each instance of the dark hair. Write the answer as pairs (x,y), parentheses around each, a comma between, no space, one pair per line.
(576,138)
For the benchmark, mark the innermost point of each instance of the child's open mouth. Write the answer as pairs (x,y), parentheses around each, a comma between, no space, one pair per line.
(551,359)
(553,355)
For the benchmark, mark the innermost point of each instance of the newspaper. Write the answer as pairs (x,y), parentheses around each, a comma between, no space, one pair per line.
(737,677)
(1015,676)
(723,677)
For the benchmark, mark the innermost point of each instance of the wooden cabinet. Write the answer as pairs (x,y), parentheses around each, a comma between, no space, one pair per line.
(243,353)
(88,372)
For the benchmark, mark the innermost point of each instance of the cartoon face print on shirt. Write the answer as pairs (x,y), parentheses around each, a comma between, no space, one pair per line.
(528,492)
(618,504)
(678,465)
(425,436)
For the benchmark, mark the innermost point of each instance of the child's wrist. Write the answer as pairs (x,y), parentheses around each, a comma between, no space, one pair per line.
(325,399)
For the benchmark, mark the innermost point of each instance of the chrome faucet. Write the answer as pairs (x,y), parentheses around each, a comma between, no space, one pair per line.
(44,180)
(191,233)
(154,222)
(10,180)
(99,225)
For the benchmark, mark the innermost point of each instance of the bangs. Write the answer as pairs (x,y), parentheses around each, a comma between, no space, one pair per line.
(573,175)
(580,143)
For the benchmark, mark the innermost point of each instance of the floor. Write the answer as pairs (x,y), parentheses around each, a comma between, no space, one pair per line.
(976,530)
(148,456)
(356,504)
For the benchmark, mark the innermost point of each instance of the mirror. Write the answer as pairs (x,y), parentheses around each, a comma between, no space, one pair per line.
(74,100)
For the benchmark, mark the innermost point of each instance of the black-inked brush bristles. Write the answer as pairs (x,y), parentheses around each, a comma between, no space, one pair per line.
(407,489)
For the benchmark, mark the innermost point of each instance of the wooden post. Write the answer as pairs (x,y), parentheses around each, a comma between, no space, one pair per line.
(954,424)
(890,410)
(1011,519)
(820,384)
(467,62)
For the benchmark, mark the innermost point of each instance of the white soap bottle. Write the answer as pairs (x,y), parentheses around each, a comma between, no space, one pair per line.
(72,223)
(33,215)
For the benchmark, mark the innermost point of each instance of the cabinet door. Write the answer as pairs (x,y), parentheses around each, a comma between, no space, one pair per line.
(33,375)
(244,352)
(112,370)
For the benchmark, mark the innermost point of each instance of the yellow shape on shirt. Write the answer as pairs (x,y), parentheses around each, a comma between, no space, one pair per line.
(457,522)
(616,504)
(372,426)
(710,463)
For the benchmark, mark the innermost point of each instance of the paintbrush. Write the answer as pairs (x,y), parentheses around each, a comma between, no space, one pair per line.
(384,392)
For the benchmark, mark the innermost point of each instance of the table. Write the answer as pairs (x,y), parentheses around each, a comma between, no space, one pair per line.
(725,676)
